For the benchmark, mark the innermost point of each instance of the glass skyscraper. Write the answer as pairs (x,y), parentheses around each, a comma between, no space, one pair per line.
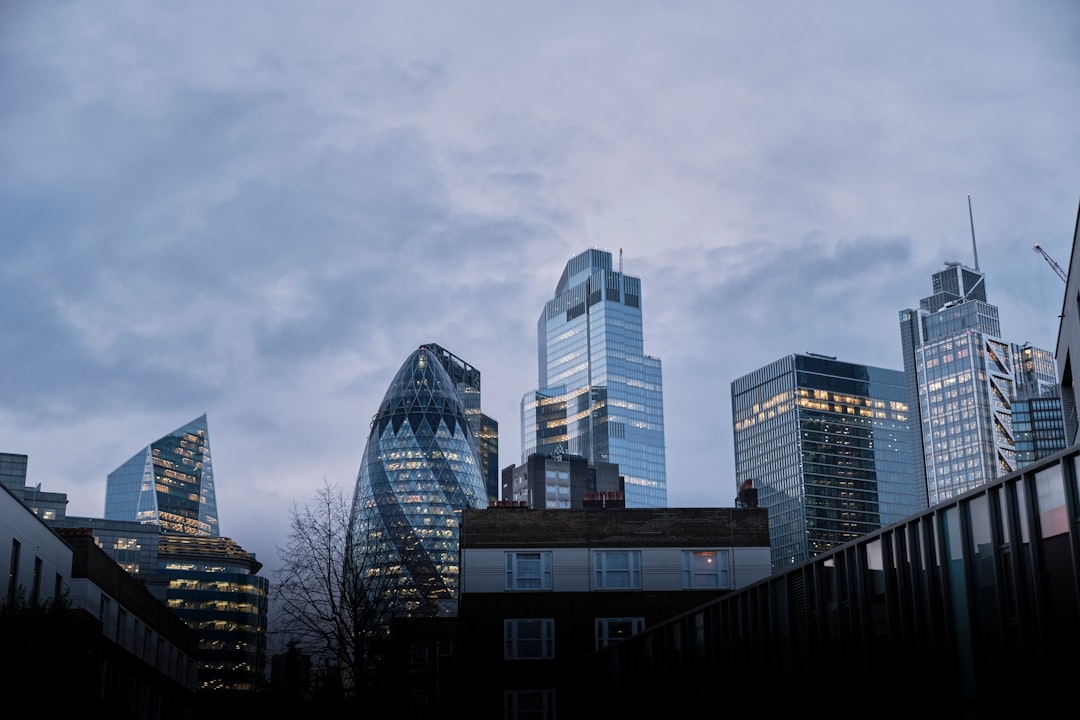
(827,445)
(962,380)
(419,471)
(169,483)
(210,581)
(485,429)
(599,396)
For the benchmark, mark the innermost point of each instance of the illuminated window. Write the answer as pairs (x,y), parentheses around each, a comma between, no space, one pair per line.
(705,569)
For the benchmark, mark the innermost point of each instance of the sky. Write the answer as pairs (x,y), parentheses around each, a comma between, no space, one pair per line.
(258,210)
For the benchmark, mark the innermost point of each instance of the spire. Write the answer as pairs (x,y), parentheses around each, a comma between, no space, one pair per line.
(974,249)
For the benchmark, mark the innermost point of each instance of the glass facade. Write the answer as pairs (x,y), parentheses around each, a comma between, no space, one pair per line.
(962,382)
(13,472)
(828,446)
(169,483)
(209,581)
(600,396)
(485,430)
(213,587)
(420,469)
(1039,428)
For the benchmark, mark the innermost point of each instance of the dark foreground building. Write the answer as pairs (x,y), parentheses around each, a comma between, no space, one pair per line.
(959,611)
(542,589)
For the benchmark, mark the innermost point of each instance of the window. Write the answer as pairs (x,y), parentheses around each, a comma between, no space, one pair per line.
(617,570)
(35,589)
(528,571)
(121,627)
(13,572)
(612,630)
(418,658)
(705,569)
(529,705)
(529,639)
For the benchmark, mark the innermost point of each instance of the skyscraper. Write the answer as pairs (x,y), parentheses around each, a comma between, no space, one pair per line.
(169,483)
(419,471)
(485,429)
(210,581)
(827,445)
(962,379)
(599,396)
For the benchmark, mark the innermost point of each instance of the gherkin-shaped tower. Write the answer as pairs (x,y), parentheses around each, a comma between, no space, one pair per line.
(419,470)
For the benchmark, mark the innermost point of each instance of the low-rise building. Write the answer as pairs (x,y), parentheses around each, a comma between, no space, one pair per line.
(543,589)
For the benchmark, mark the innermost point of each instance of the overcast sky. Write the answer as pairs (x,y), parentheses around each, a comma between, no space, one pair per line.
(257,210)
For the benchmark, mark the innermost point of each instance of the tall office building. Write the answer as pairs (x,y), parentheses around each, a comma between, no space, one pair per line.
(210,581)
(827,445)
(599,396)
(419,471)
(962,379)
(169,483)
(485,429)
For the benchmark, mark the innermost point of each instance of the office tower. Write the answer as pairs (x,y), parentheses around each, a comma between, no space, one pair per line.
(419,471)
(210,582)
(961,378)
(485,429)
(827,445)
(169,483)
(561,482)
(215,588)
(599,396)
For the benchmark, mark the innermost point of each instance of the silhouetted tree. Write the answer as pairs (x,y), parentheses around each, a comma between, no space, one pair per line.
(331,600)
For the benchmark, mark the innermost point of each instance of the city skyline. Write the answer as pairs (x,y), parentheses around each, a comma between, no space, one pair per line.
(256,213)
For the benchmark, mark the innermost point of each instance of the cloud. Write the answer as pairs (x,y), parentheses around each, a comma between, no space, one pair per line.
(257,212)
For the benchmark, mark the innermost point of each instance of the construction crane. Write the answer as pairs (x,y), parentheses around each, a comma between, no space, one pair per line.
(1057,268)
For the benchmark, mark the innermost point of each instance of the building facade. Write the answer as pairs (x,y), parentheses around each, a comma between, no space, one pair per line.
(544,589)
(1068,341)
(560,482)
(827,445)
(208,580)
(485,429)
(958,611)
(131,545)
(69,612)
(962,380)
(215,588)
(169,483)
(599,395)
(419,471)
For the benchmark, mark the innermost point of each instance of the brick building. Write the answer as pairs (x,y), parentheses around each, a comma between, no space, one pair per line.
(543,589)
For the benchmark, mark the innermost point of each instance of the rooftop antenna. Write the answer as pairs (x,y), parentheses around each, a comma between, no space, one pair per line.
(974,249)
(620,261)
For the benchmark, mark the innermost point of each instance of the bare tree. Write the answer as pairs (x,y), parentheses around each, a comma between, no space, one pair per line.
(329,602)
